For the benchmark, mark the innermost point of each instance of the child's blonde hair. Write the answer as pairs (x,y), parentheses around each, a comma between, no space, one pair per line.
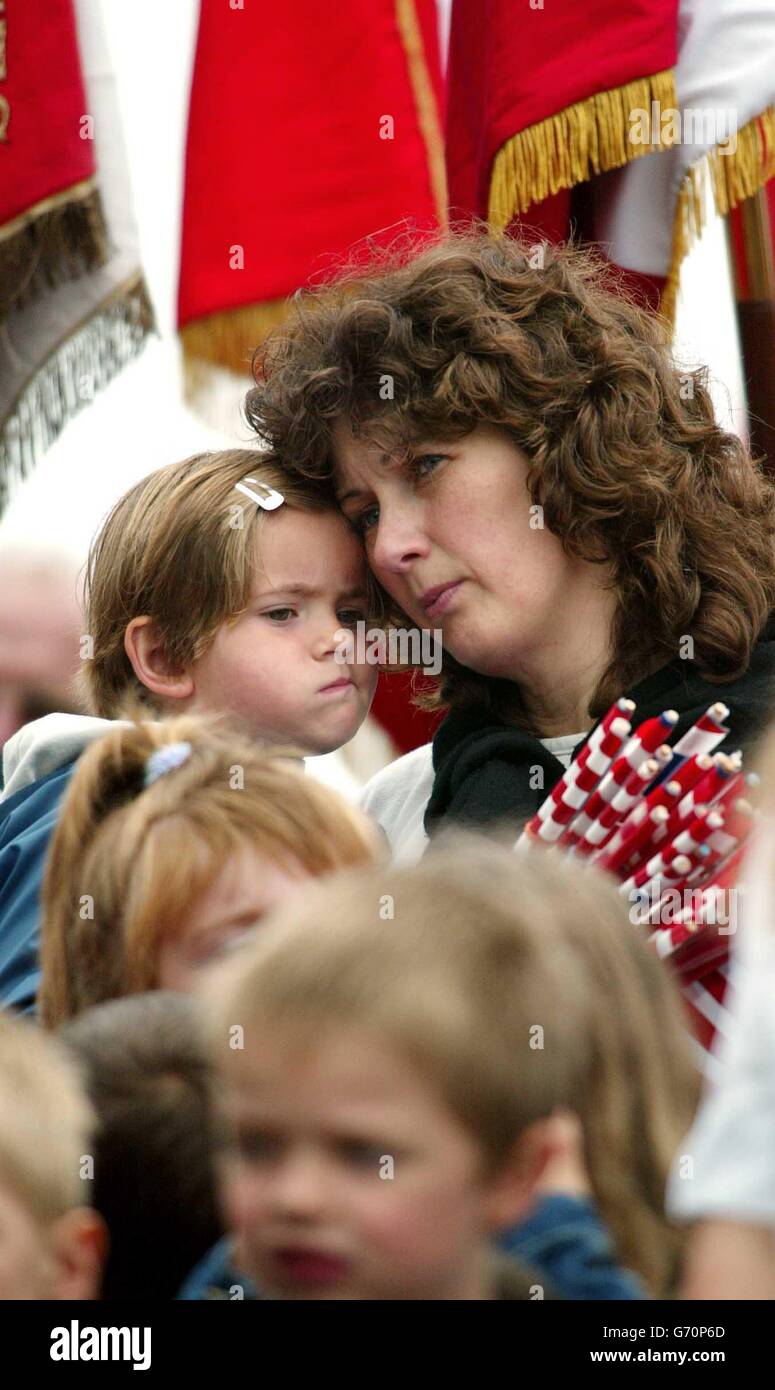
(125,862)
(180,547)
(518,985)
(46,1122)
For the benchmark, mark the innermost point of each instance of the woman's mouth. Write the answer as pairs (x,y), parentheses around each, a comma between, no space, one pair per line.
(438,600)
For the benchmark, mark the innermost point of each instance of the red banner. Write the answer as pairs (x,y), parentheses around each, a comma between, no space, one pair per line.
(310,127)
(42,102)
(515,69)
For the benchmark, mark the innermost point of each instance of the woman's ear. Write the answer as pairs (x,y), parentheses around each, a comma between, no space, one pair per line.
(145,649)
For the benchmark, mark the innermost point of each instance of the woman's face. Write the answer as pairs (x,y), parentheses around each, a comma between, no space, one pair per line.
(460,514)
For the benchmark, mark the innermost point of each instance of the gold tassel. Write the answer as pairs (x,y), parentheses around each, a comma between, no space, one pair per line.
(229,338)
(734,177)
(568,148)
(57,240)
(226,340)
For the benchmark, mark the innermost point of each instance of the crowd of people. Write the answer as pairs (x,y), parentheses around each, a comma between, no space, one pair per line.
(445,1070)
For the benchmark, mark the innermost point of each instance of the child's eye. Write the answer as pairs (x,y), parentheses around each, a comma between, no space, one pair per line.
(363,1155)
(255,1147)
(279,615)
(350,617)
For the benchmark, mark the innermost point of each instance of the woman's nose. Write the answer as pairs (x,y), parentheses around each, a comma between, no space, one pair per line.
(399,541)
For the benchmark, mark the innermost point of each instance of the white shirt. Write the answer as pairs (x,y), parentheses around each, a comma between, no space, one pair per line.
(397,796)
(731,1146)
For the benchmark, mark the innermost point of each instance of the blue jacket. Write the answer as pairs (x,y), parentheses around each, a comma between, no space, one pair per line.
(37,765)
(565,1239)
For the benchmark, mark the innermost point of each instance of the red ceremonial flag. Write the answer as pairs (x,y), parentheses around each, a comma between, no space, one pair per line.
(73,303)
(722,142)
(310,128)
(540,101)
(50,215)
(539,96)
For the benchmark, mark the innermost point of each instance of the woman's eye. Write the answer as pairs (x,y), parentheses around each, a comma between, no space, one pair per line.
(363,522)
(424,464)
(280,615)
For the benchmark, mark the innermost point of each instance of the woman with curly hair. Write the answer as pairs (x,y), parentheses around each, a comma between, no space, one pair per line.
(533,475)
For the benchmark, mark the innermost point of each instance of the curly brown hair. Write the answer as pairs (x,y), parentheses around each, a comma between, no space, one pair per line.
(625,454)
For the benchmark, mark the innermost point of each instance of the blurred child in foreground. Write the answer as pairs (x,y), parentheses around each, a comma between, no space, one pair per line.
(52,1244)
(395,1060)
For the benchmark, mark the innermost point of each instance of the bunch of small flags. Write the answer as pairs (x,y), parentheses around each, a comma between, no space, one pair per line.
(671,823)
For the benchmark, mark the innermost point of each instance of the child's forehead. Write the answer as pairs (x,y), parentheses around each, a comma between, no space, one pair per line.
(313,551)
(349,1068)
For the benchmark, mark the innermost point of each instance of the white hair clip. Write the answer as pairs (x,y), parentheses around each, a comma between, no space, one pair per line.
(165,759)
(270,500)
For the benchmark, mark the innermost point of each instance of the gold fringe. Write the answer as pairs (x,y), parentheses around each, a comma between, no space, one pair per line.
(425,103)
(56,240)
(73,194)
(227,340)
(569,147)
(733,178)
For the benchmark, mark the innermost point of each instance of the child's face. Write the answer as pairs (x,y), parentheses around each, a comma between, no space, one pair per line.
(63,1260)
(351,1178)
(28,1268)
(249,885)
(275,667)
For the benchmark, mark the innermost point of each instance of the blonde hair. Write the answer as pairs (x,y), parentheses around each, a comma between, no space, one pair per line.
(180,547)
(144,855)
(46,1122)
(517,984)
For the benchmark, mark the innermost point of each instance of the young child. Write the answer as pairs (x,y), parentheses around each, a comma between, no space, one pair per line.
(216,584)
(52,1245)
(154,1172)
(390,1058)
(173,841)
